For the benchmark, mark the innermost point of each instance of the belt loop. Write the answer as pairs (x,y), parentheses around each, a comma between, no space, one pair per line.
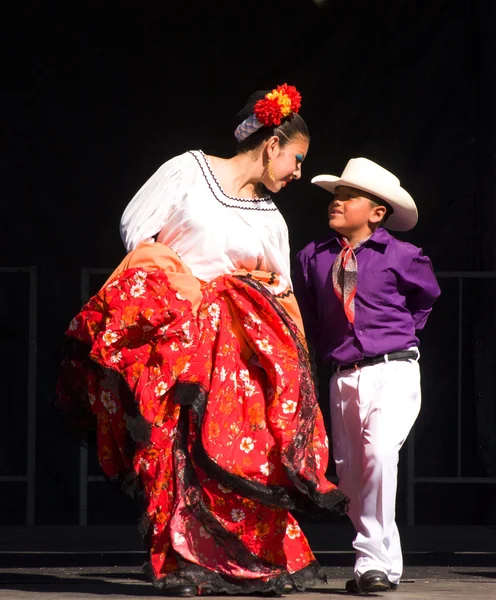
(415,349)
(386,358)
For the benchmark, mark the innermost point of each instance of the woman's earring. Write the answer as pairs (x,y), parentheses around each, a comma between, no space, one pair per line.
(270,170)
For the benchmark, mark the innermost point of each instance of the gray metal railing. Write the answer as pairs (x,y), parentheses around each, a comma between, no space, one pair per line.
(29,477)
(412,479)
(84,478)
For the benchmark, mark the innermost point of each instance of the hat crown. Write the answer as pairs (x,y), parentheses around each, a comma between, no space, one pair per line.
(362,171)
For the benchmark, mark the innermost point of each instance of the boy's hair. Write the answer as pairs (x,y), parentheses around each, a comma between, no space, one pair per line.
(376,201)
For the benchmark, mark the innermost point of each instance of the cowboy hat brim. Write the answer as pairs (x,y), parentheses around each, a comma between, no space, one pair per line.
(405,215)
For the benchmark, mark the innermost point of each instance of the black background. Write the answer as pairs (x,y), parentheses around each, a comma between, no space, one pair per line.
(95,97)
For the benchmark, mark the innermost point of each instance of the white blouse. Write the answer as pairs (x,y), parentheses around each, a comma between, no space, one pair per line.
(212,232)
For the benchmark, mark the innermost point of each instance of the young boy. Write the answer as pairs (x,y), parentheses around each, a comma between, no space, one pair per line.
(363,295)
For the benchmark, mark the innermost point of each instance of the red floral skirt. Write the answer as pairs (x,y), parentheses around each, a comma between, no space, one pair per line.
(207,411)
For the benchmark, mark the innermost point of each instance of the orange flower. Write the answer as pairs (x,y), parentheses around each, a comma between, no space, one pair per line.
(152,453)
(180,364)
(155,371)
(158,486)
(238,470)
(138,369)
(106,453)
(93,327)
(213,429)
(268,555)
(247,503)
(255,414)
(262,529)
(148,313)
(103,422)
(161,517)
(239,532)
(226,405)
(129,315)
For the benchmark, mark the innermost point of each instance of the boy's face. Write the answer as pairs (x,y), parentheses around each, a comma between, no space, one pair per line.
(351,212)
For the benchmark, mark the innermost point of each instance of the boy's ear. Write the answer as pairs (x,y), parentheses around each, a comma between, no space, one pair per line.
(378,213)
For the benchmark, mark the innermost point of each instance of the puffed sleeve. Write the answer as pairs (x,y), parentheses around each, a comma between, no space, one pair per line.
(305,295)
(154,202)
(277,254)
(419,284)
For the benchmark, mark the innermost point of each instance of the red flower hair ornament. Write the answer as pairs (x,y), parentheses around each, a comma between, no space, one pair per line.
(281,102)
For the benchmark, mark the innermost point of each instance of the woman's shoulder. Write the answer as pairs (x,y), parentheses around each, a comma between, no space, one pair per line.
(178,168)
(189,157)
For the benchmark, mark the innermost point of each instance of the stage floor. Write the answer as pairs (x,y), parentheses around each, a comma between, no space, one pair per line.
(77,583)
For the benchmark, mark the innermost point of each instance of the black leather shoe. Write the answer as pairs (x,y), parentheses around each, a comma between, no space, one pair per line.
(352,587)
(374,581)
(181,590)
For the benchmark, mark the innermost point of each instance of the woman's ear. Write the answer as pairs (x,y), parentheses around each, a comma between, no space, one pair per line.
(273,147)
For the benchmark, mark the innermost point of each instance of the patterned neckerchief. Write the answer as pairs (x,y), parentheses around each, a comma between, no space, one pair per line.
(344,276)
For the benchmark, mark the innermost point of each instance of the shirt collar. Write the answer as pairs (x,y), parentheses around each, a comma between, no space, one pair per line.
(380,237)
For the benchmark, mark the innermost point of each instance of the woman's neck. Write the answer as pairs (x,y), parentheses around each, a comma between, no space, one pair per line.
(239,175)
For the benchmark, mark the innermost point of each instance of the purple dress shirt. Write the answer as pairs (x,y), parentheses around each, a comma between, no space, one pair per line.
(396,288)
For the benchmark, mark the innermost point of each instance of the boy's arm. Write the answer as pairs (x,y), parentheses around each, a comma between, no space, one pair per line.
(421,288)
(305,296)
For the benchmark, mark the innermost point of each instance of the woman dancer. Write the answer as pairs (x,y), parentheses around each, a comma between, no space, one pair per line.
(192,366)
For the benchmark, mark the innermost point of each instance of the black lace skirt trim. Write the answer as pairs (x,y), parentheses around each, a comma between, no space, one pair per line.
(209,583)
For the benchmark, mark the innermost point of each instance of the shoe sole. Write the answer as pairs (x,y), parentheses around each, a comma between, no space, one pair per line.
(352,588)
(376,587)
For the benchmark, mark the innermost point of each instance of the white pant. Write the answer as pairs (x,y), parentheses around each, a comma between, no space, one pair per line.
(373,409)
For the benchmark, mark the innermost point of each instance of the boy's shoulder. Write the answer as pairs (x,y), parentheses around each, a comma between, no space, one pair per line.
(313,247)
(402,247)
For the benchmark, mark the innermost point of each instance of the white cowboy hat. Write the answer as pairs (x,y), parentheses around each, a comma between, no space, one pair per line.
(366,175)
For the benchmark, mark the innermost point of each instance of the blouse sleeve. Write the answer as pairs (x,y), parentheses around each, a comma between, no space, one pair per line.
(154,202)
(277,254)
